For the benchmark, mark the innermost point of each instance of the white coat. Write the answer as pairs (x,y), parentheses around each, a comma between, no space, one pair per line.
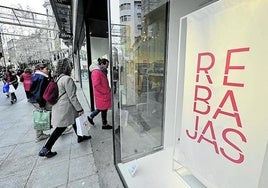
(66,109)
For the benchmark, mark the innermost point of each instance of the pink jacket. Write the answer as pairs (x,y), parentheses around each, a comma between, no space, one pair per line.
(27,81)
(101,88)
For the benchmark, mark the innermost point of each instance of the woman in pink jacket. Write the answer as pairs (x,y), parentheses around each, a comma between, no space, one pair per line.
(102,92)
(26,79)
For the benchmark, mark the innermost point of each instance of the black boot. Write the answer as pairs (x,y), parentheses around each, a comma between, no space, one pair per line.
(107,126)
(44,152)
(82,138)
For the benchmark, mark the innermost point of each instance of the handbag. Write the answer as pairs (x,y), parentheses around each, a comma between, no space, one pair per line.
(6,88)
(41,120)
(82,125)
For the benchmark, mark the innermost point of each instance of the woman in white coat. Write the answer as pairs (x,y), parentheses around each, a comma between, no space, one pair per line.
(65,110)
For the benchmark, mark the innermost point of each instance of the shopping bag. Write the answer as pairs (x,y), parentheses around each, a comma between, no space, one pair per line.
(11,89)
(6,88)
(82,125)
(41,120)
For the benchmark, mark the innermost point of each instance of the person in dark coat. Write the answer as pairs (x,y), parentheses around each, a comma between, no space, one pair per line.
(40,82)
(115,78)
(11,79)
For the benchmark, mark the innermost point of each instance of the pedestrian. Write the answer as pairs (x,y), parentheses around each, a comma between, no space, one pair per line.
(115,78)
(26,79)
(20,71)
(102,92)
(11,79)
(40,81)
(65,110)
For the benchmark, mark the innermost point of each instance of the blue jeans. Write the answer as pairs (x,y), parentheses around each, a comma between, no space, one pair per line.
(103,115)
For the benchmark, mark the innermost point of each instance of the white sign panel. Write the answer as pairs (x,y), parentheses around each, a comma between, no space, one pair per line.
(224,129)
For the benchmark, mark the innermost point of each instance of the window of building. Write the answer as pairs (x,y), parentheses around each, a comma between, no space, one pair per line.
(125,6)
(125,18)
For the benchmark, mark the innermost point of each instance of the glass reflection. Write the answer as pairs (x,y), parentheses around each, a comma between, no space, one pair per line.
(139,47)
(83,68)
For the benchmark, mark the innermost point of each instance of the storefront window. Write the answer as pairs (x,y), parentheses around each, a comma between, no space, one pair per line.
(139,50)
(83,67)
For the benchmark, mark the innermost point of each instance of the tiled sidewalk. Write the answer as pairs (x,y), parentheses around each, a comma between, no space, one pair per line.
(73,166)
(21,166)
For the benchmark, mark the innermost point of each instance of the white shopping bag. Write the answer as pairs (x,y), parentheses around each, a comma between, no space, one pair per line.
(11,89)
(82,125)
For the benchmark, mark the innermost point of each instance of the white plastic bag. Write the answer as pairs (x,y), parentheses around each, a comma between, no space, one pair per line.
(82,125)
(11,89)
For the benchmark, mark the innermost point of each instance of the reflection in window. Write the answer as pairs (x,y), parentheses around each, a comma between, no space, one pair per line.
(83,63)
(125,18)
(125,6)
(140,59)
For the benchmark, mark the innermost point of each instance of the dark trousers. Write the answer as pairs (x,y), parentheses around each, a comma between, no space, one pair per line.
(115,87)
(55,135)
(28,94)
(103,115)
(13,96)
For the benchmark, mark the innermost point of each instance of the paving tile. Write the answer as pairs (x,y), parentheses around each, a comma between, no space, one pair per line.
(14,181)
(14,166)
(8,139)
(103,151)
(81,149)
(82,167)
(59,158)
(52,175)
(5,151)
(24,150)
(109,179)
(86,182)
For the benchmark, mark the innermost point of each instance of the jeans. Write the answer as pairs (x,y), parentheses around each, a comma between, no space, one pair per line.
(103,115)
(13,96)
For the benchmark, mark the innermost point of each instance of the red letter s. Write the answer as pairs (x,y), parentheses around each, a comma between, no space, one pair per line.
(241,157)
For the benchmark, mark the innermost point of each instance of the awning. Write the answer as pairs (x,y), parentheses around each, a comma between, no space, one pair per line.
(92,12)
(22,18)
(63,12)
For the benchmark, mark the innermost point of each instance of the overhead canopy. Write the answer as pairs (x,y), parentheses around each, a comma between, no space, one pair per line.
(17,17)
(63,13)
(24,25)
(92,12)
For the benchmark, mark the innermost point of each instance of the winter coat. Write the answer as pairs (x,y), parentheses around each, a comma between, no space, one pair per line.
(26,79)
(11,78)
(39,84)
(101,88)
(66,109)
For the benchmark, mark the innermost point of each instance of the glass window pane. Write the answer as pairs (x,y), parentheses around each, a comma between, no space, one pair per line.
(83,67)
(139,47)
